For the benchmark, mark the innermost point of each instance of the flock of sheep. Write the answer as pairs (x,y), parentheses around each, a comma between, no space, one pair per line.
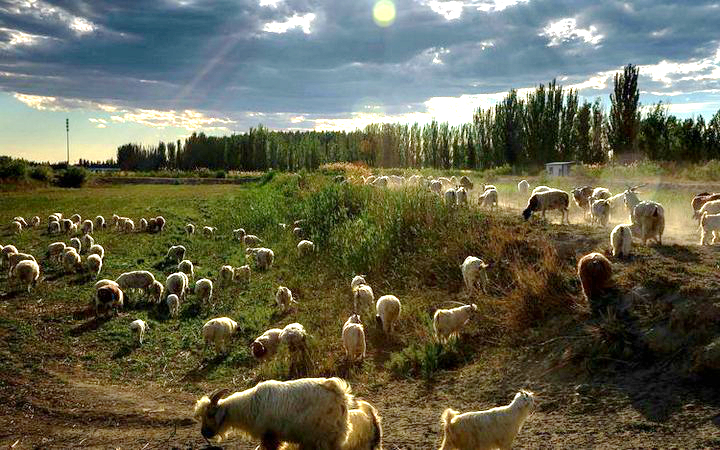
(322,412)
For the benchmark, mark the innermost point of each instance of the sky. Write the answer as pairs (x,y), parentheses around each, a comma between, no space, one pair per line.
(127,71)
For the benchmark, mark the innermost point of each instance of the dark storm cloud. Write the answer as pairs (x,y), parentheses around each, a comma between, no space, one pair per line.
(215,55)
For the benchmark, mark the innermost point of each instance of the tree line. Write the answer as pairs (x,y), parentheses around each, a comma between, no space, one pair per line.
(548,124)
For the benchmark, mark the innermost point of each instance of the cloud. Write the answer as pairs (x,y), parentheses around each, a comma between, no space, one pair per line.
(566,30)
(302,22)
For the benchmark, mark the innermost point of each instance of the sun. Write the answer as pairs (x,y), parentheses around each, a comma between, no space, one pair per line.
(384,13)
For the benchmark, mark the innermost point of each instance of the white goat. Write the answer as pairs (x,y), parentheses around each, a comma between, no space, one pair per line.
(523,187)
(284,297)
(648,221)
(353,338)
(473,269)
(447,323)
(139,327)
(709,225)
(266,345)
(219,332)
(204,290)
(621,241)
(387,312)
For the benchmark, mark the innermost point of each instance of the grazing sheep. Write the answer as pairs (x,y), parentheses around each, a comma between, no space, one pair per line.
(387,312)
(473,269)
(357,280)
(447,323)
(488,199)
(701,199)
(177,283)
(226,275)
(274,418)
(139,327)
(595,273)
(601,193)
(294,336)
(466,183)
(363,297)
(72,261)
(242,274)
(648,221)
(450,197)
(209,232)
(35,221)
(523,187)
(100,222)
(709,225)
(239,234)
(6,252)
(190,229)
(581,196)
(552,199)
(436,186)
(87,226)
(94,264)
(494,428)
(540,189)
(27,272)
(284,297)
(137,279)
(97,249)
(600,212)
(710,207)
(173,305)
(128,226)
(21,221)
(462,196)
(55,250)
(143,224)
(219,332)
(621,241)
(105,282)
(298,232)
(115,220)
(152,225)
(53,227)
(250,240)
(263,257)
(108,297)
(186,266)
(16,227)
(353,338)
(305,248)
(87,241)
(266,345)
(67,225)
(176,252)
(15,258)
(155,291)
(204,290)
(76,244)
(76,218)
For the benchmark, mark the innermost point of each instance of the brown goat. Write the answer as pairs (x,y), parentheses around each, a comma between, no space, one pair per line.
(595,273)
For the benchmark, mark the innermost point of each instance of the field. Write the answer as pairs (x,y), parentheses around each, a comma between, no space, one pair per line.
(633,377)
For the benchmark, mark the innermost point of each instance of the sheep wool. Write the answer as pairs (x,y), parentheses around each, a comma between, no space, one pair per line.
(621,241)
(139,327)
(473,270)
(266,345)
(177,283)
(26,272)
(387,312)
(219,332)
(353,338)
(186,266)
(204,290)
(284,297)
(94,264)
(447,323)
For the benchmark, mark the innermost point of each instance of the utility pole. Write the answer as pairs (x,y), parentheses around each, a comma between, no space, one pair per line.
(67,135)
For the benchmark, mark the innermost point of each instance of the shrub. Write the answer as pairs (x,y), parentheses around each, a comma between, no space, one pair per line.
(42,173)
(12,169)
(73,177)
(220,174)
(203,172)
(425,359)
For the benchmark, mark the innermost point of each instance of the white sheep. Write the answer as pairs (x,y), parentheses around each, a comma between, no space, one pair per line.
(284,297)
(35,221)
(99,222)
(263,257)
(6,252)
(387,311)
(219,332)
(71,261)
(294,336)
(305,248)
(136,279)
(239,234)
(177,283)
(87,226)
(462,196)
(15,258)
(466,183)
(488,199)
(226,275)
(27,272)
(709,225)
(189,229)
(55,250)
(54,227)
(21,221)
(97,249)
(250,240)
(94,264)
(357,280)
(599,212)
(494,428)
(173,304)
(16,227)
(87,241)
(353,338)
(242,274)
(76,244)
(450,197)
(186,266)
(67,225)
(176,253)
(266,345)
(473,270)
(551,199)
(436,186)
(311,412)
(76,218)
(155,291)
(621,240)
(363,297)
(209,232)
(523,187)
(139,327)
(648,221)
(447,323)
(204,290)
(711,207)
(143,224)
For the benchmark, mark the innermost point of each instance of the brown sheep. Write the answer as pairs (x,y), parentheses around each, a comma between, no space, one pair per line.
(595,273)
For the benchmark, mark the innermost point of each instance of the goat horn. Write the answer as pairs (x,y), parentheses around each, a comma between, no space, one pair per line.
(217,395)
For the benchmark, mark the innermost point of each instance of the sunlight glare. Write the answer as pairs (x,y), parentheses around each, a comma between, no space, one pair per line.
(384,13)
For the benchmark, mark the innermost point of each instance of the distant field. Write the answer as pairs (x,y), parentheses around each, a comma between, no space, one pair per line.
(92,384)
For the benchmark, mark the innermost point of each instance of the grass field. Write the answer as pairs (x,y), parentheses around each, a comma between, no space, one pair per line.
(405,242)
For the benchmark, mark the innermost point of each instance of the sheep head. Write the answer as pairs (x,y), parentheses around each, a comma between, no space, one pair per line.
(210,415)
(533,205)
(525,400)
(258,349)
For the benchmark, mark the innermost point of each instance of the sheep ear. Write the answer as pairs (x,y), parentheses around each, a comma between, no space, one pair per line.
(217,395)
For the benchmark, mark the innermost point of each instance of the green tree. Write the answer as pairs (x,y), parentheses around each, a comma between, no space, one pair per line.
(624,120)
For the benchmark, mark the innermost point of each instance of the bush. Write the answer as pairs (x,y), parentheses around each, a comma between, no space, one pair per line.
(220,174)
(203,172)
(73,177)
(425,359)
(42,173)
(12,169)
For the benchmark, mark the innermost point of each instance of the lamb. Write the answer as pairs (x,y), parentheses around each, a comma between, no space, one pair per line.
(447,323)
(227,273)
(155,291)
(462,196)
(173,304)
(99,222)
(305,248)
(284,297)
(357,280)
(27,271)
(266,345)
(450,197)
(263,257)
(76,244)
(473,269)
(219,332)
(176,252)
(709,225)
(143,224)
(16,227)
(186,266)
(648,221)
(189,229)
(137,279)
(363,297)
(523,187)
(35,221)
(87,241)
(387,312)
(595,273)
(177,283)
(488,199)
(239,234)
(552,199)
(710,207)
(494,428)
(242,274)
(621,241)
(55,250)
(204,290)
(269,412)
(353,338)
(94,264)
(466,183)
(600,212)
(250,240)
(87,226)
(139,327)
(97,249)
(209,232)
(71,261)
(699,200)
(108,297)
